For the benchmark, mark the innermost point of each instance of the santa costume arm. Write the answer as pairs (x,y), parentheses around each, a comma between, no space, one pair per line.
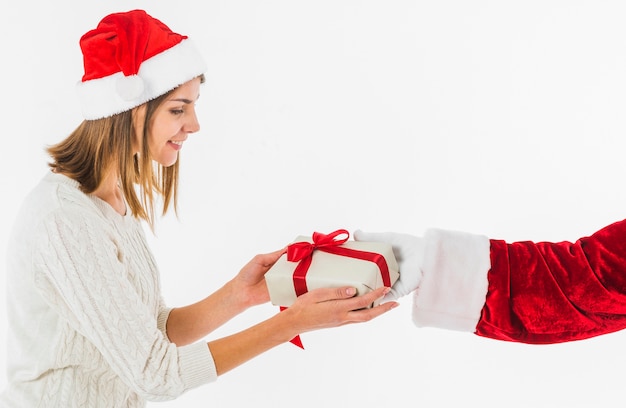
(523,291)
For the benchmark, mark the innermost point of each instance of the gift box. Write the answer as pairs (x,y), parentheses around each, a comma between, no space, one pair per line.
(328,261)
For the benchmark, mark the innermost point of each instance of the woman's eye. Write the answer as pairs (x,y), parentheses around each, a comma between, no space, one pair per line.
(176,111)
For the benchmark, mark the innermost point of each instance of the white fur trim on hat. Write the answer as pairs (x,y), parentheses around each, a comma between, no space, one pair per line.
(103,97)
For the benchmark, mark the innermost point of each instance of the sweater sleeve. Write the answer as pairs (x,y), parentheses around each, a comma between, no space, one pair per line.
(163,315)
(524,291)
(81,273)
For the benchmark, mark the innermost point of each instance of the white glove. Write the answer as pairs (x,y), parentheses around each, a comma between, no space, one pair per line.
(409,252)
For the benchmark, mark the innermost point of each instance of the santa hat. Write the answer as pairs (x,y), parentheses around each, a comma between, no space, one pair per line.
(131,58)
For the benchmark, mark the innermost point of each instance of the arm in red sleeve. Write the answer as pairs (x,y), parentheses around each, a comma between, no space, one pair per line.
(556,292)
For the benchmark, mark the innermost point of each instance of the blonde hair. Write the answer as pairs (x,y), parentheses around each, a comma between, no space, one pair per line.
(96,147)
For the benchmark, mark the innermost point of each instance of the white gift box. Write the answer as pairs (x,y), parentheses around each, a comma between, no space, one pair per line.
(328,270)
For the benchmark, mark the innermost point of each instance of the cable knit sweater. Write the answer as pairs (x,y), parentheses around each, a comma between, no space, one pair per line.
(86,319)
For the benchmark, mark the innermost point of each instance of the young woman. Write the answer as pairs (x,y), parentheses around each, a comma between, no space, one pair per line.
(87,324)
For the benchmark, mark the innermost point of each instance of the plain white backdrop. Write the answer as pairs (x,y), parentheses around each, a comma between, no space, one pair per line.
(498,118)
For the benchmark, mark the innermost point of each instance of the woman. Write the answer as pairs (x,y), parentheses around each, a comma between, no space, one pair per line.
(87,324)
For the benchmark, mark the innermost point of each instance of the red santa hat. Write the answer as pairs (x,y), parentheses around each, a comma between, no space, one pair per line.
(131,58)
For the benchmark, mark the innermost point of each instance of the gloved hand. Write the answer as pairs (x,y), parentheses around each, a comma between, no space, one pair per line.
(409,252)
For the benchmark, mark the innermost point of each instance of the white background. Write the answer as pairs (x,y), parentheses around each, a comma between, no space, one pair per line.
(493,117)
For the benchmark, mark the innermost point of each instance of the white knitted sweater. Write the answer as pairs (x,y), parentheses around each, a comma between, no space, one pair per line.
(86,318)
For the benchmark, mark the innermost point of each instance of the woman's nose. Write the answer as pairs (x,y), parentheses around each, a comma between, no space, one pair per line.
(192,125)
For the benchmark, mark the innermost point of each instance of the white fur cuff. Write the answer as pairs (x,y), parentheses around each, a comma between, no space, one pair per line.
(452,292)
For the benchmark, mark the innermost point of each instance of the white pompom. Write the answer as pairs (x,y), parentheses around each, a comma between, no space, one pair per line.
(129,87)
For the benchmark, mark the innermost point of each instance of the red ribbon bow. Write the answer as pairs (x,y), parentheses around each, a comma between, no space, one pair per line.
(302,252)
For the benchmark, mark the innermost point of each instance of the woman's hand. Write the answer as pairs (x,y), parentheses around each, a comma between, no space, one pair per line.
(190,323)
(317,309)
(249,283)
(333,307)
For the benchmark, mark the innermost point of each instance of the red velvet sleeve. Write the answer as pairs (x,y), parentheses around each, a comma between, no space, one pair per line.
(556,292)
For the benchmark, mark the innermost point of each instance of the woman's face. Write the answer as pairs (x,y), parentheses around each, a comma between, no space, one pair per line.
(172,123)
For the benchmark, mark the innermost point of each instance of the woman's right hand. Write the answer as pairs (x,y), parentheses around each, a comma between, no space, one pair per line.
(317,309)
(333,307)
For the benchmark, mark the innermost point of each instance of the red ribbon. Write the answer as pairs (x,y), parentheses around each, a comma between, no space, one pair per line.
(302,252)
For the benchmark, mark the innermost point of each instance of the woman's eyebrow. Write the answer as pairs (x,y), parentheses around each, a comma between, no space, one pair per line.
(183,100)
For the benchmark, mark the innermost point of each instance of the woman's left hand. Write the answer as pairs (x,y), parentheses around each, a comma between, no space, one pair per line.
(250,281)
